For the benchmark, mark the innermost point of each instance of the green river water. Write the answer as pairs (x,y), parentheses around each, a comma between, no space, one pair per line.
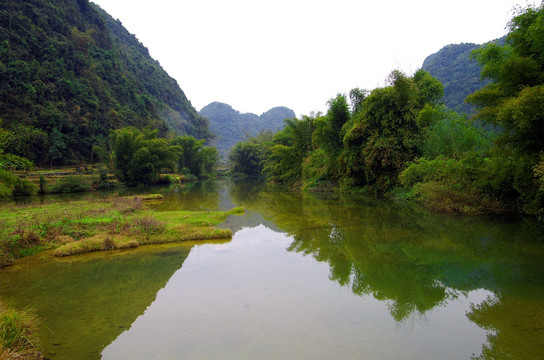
(304,277)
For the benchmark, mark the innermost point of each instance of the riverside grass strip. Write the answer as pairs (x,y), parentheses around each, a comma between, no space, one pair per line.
(103,224)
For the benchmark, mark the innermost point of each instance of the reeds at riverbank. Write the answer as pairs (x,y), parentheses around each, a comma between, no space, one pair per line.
(18,334)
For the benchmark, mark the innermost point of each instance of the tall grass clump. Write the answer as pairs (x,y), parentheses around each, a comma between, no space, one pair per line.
(18,334)
(127,205)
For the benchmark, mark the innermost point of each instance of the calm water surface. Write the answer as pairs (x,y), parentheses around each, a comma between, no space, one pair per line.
(304,277)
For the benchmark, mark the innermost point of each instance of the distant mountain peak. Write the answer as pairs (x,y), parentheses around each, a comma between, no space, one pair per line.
(230,126)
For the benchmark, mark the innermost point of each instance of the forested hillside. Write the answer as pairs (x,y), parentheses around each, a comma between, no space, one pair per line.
(458,73)
(69,73)
(230,126)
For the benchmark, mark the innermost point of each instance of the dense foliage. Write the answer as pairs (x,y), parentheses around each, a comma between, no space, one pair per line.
(195,158)
(400,140)
(10,184)
(69,73)
(514,102)
(140,157)
(230,126)
(363,145)
(247,157)
(386,134)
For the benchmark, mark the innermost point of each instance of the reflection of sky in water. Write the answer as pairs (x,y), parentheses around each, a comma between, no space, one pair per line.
(251,298)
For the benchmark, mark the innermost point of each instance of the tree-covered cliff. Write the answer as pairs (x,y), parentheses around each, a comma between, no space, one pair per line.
(458,73)
(69,73)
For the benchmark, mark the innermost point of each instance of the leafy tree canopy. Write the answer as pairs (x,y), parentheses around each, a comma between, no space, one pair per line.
(385,134)
(514,100)
(139,157)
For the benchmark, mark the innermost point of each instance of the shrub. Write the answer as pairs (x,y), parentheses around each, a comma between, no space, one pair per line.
(457,173)
(471,184)
(6,259)
(450,135)
(11,184)
(148,226)
(103,182)
(71,184)
(42,186)
(108,243)
(316,169)
(443,197)
(23,187)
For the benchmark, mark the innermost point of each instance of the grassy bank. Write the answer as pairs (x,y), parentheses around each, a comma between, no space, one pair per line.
(103,224)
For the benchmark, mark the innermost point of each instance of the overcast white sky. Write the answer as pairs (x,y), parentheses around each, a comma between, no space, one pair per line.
(255,55)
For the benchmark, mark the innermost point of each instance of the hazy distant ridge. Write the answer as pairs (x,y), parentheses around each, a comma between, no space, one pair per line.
(231,126)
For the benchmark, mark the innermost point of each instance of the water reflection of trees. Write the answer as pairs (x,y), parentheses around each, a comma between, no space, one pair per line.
(412,258)
(515,325)
(202,195)
(87,302)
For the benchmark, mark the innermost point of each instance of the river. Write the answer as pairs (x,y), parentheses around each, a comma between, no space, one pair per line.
(305,276)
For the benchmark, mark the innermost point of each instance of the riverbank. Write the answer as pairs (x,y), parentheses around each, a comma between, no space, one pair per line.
(79,227)
(103,224)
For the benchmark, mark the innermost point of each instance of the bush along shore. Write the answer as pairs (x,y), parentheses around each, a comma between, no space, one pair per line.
(104,224)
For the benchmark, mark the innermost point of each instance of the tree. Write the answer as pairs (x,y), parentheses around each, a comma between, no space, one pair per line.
(385,135)
(189,161)
(329,133)
(289,147)
(195,158)
(448,134)
(357,97)
(514,100)
(210,156)
(139,157)
(246,158)
(57,146)
(430,90)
